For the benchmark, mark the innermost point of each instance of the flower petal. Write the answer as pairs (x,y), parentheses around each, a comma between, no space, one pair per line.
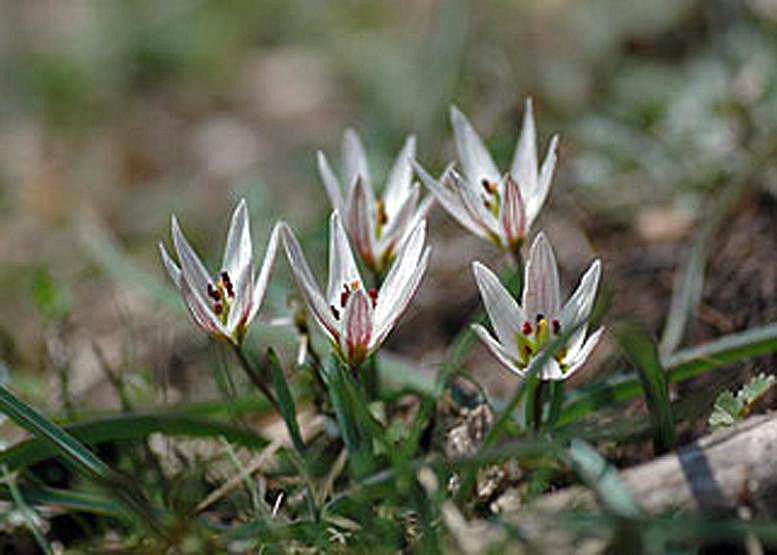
(202,315)
(512,214)
(405,293)
(552,371)
(578,307)
(507,318)
(357,327)
(581,357)
(473,204)
(541,293)
(342,266)
(238,251)
(400,179)
(473,156)
(524,166)
(401,272)
(307,283)
(263,279)
(331,183)
(537,198)
(192,269)
(450,200)
(360,221)
(355,160)
(397,226)
(497,349)
(172,268)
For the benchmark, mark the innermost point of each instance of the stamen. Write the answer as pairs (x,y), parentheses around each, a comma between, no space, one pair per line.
(373,294)
(224,275)
(344,296)
(556,326)
(218,308)
(527,329)
(213,293)
(382,216)
(489,186)
(540,317)
(335,312)
(527,350)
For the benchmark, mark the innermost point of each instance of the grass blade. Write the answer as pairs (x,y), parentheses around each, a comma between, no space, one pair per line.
(285,402)
(683,365)
(66,499)
(641,351)
(603,478)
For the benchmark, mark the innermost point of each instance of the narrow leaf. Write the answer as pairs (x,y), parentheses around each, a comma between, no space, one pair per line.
(286,402)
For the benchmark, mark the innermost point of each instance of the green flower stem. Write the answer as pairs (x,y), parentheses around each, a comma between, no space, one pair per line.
(254,377)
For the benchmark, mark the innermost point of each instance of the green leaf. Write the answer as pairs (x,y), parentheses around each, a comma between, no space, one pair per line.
(752,391)
(83,460)
(603,478)
(129,427)
(67,499)
(726,411)
(681,366)
(641,351)
(286,402)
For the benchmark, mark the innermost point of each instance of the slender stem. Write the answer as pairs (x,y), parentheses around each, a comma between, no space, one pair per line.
(519,269)
(254,376)
(539,392)
(317,366)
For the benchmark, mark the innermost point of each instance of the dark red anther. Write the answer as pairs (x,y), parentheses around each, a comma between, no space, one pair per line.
(488,186)
(224,275)
(373,294)
(344,295)
(527,350)
(527,328)
(540,317)
(218,308)
(556,326)
(213,293)
(335,312)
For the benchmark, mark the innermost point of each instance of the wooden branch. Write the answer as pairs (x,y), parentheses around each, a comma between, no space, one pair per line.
(722,471)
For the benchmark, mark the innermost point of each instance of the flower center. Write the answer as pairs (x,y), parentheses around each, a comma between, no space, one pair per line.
(491,198)
(349,288)
(222,296)
(382,218)
(535,336)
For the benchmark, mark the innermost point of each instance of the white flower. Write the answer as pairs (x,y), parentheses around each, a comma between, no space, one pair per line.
(226,305)
(377,226)
(356,320)
(523,331)
(500,208)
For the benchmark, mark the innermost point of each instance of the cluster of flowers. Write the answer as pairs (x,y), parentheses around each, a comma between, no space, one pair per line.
(389,235)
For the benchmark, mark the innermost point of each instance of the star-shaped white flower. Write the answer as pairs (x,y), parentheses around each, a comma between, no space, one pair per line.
(223,306)
(377,226)
(523,331)
(500,208)
(357,320)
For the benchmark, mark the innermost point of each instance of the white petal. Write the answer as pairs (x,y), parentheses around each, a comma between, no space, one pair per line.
(360,221)
(473,204)
(497,349)
(537,198)
(243,283)
(524,166)
(397,226)
(450,200)
(507,318)
(401,272)
(475,159)
(541,288)
(400,178)
(202,315)
(307,283)
(355,160)
(580,358)
(194,273)
(342,266)
(356,327)
(263,279)
(512,214)
(397,308)
(172,268)
(331,183)
(238,250)
(578,307)
(552,371)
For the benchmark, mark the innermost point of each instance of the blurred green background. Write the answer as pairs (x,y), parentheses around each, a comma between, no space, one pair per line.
(113,115)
